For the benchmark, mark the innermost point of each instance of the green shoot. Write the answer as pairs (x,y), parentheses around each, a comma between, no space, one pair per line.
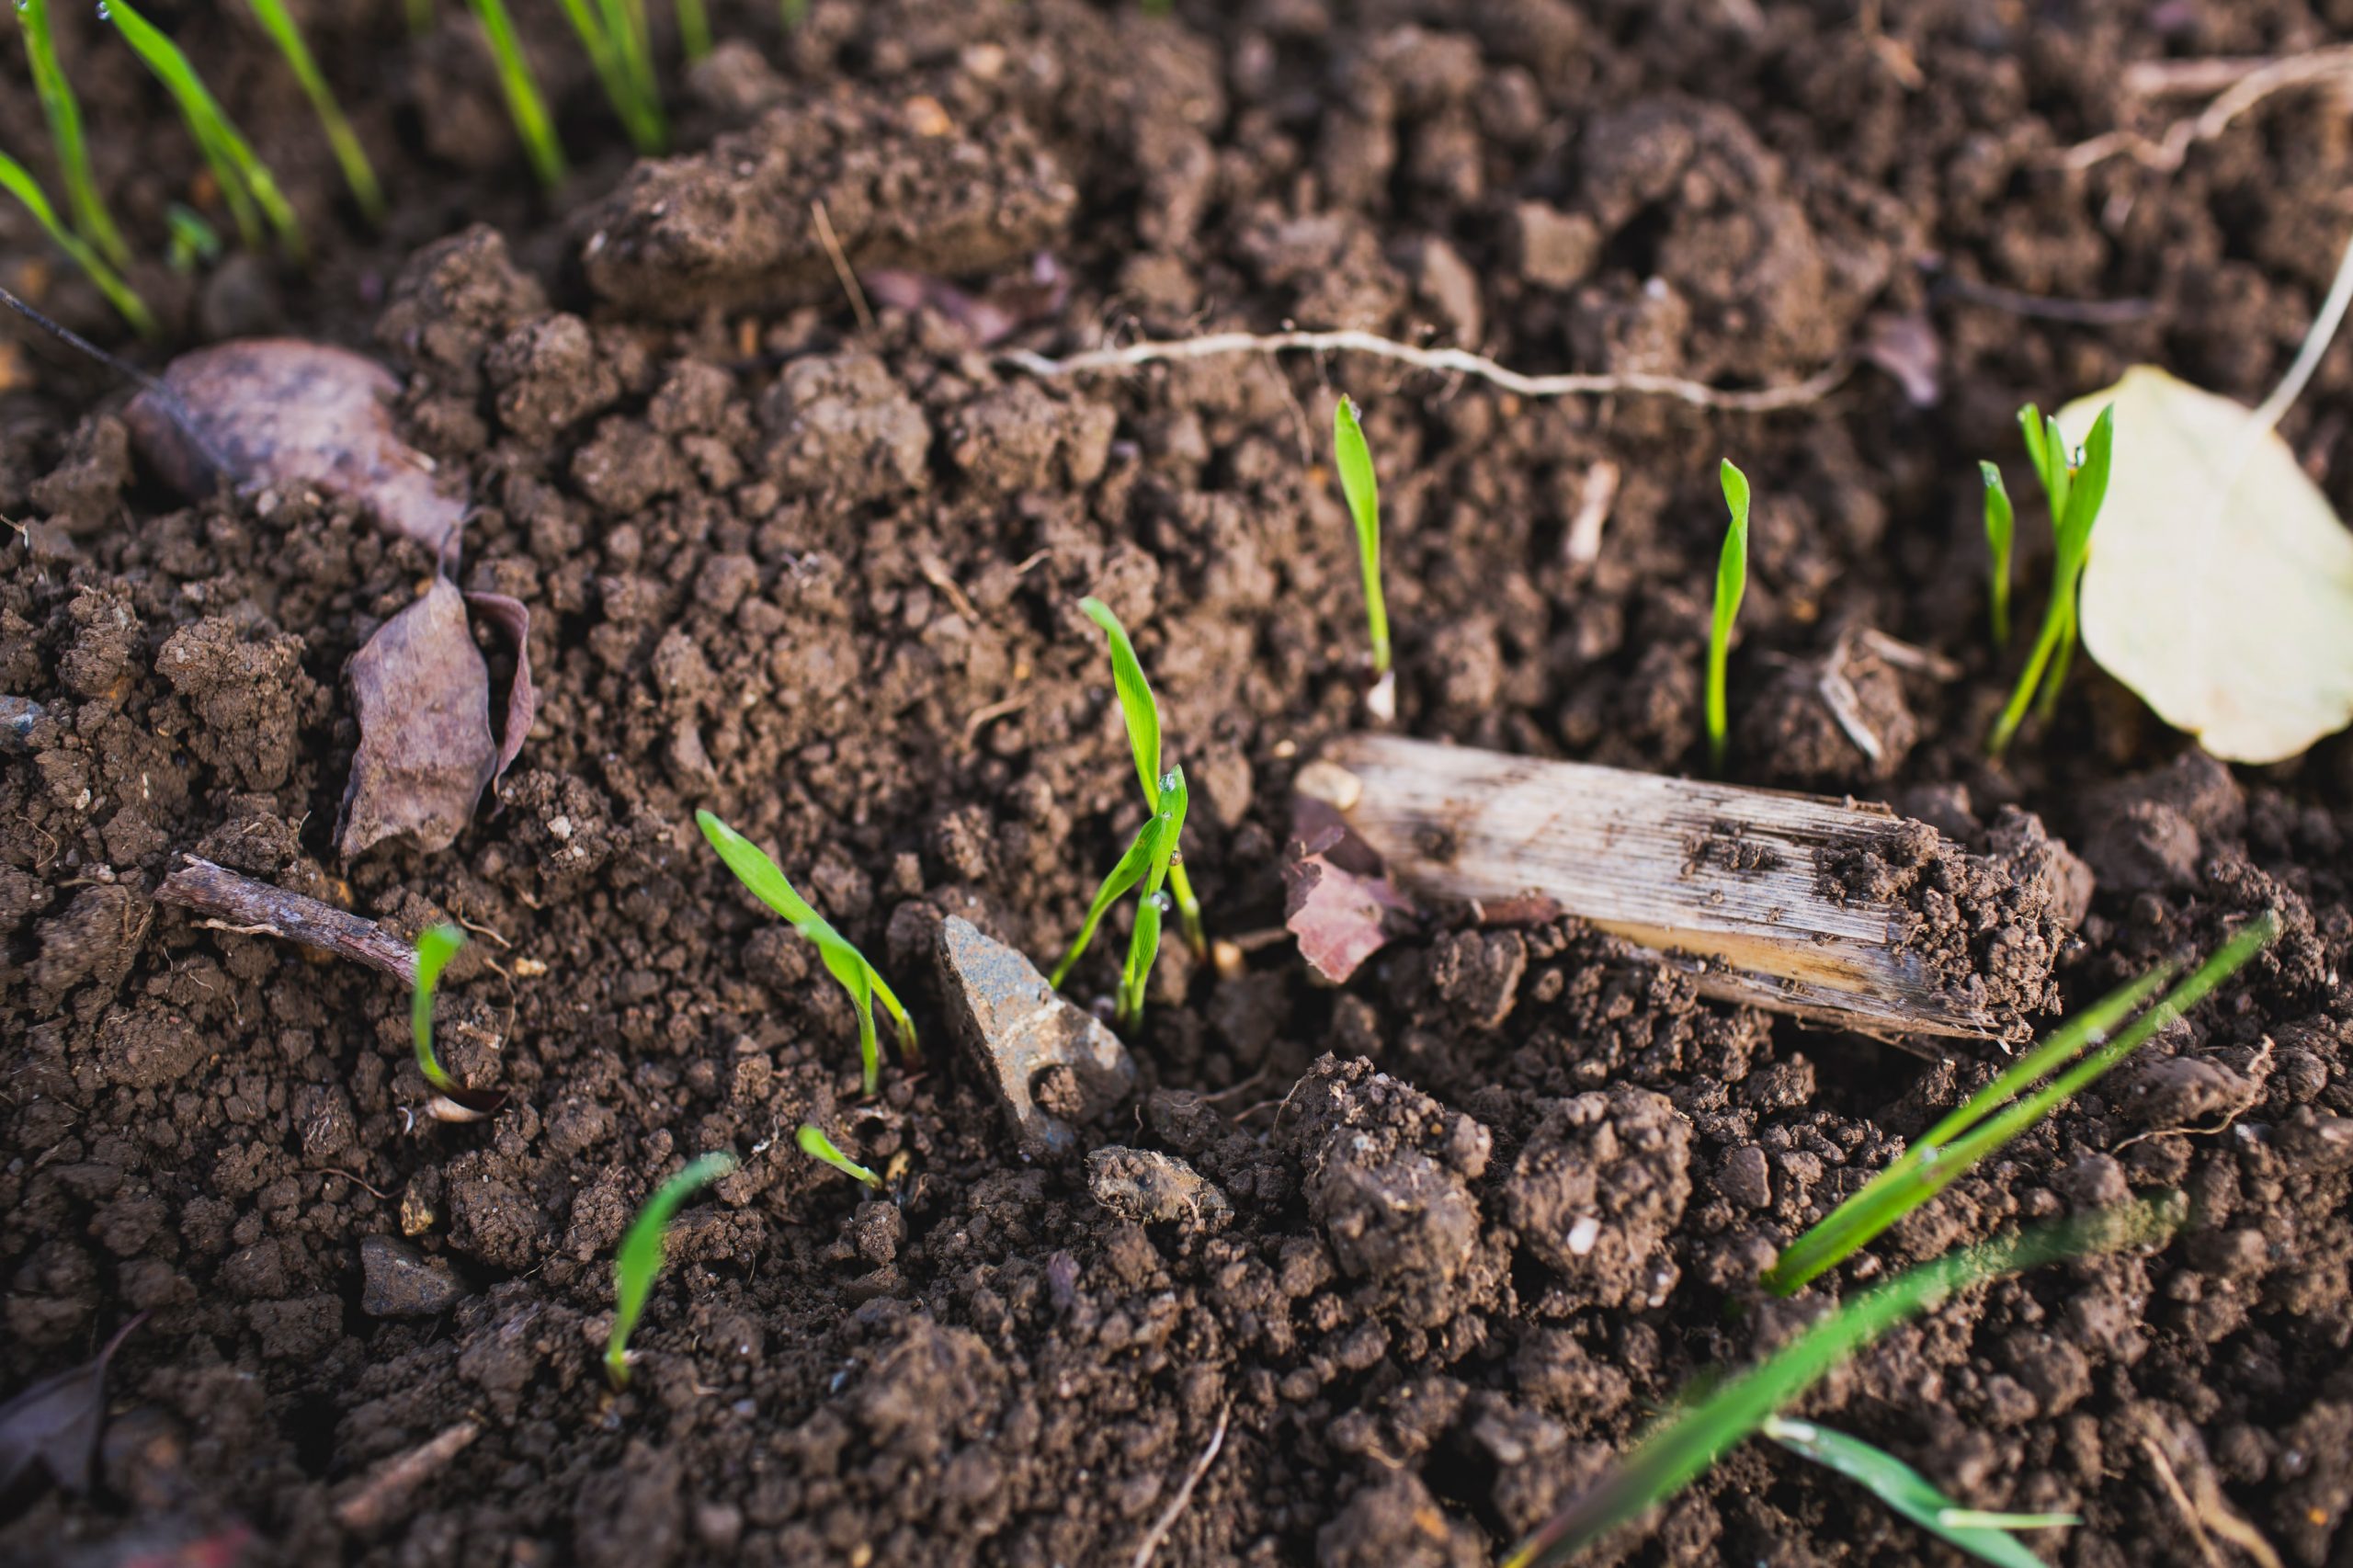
(357,172)
(2000,521)
(613,34)
(1981,1126)
(436,946)
(694,30)
(846,963)
(192,242)
(2075,493)
(63,112)
(1130,870)
(640,1257)
(817,1146)
(245,181)
(1731,582)
(524,105)
(18,182)
(1681,1449)
(794,13)
(1141,714)
(1357,482)
(1982,1535)
(1146,864)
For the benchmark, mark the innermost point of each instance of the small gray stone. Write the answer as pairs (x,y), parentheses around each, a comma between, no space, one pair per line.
(1028,1041)
(1148,1187)
(1743,1177)
(402,1282)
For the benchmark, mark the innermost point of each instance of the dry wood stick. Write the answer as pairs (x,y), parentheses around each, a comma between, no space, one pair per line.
(243,906)
(1842,913)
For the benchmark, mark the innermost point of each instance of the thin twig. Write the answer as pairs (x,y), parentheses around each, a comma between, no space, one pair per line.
(1167,1520)
(388,1488)
(1583,544)
(1445,361)
(834,254)
(2041,307)
(240,904)
(2167,153)
(172,407)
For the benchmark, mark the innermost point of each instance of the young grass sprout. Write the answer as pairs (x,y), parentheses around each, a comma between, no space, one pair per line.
(436,946)
(1141,712)
(1985,1536)
(1996,1114)
(18,182)
(245,181)
(614,34)
(63,112)
(817,1146)
(521,90)
(356,171)
(846,963)
(640,1257)
(1731,582)
(2076,491)
(1146,865)
(2000,525)
(1357,482)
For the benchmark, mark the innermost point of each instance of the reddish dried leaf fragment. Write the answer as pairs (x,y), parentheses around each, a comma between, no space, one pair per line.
(423,695)
(1340,917)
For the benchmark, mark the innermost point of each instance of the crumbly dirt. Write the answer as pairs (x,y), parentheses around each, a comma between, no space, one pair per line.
(1428,1247)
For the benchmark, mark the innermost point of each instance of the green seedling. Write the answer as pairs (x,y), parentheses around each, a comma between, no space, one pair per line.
(2076,491)
(521,90)
(1731,582)
(640,1257)
(817,1146)
(1145,866)
(1362,488)
(357,172)
(694,30)
(2000,525)
(245,181)
(794,13)
(18,182)
(613,32)
(1982,1535)
(2083,1047)
(1141,712)
(846,963)
(1704,1429)
(63,112)
(436,946)
(191,243)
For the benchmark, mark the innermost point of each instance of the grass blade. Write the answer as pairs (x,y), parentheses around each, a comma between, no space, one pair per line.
(245,181)
(357,172)
(1127,873)
(63,112)
(844,962)
(1913,1495)
(694,30)
(2075,501)
(1732,582)
(605,36)
(436,946)
(1141,710)
(817,1146)
(524,105)
(18,182)
(1144,944)
(639,1260)
(1358,484)
(2001,522)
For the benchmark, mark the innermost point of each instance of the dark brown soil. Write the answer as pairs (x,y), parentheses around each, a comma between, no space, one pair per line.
(823,580)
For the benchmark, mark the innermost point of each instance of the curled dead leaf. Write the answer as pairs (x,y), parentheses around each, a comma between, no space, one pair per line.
(514,622)
(422,692)
(1338,898)
(49,1434)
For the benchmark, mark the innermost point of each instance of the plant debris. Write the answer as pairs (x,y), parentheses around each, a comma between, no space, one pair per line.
(422,692)
(49,1434)
(1338,898)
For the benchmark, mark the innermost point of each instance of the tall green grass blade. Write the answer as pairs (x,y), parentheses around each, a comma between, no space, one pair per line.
(2001,528)
(63,112)
(18,182)
(844,962)
(1672,1456)
(640,1257)
(1141,711)
(521,87)
(606,33)
(2075,499)
(245,181)
(1144,944)
(357,172)
(1913,1495)
(694,30)
(1996,1114)
(1732,582)
(1353,457)
(817,1146)
(1131,868)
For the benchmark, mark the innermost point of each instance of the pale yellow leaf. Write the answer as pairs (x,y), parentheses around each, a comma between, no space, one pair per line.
(2220,585)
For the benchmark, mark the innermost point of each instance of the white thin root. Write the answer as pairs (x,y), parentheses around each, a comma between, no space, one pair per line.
(1445,361)
(391,1485)
(1582,546)
(2253,85)
(1168,1516)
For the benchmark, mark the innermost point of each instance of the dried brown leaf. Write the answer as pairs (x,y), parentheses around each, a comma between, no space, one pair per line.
(1341,917)
(49,1434)
(423,695)
(514,622)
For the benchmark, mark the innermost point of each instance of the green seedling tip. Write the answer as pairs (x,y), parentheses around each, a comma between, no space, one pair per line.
(2086,1047)
(2000,526)
(63,110)
(1357,482)
(1685,1445)
(817,1146)
(436,946)
(613,33)
(1984,1536)
(18,182)
(1143,942)
(844,962)
(357,173)
(2075,494)
(520,87)
(640,1257)
(1731,582)
(1141,712)
(694,30)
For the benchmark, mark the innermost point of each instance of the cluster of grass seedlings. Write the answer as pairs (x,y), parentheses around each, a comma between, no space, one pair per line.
(615,35)
(2075,490)
(63,110)
(1731,582)
(1983,1535)
(1144,867)
(357,172)
(1358,484)
(817,1146)
(1681,1449)
(844,962)
(247,184)
(640,1257)
(18,182)
(436,946)
(2000,526)
(1996,1114)
(1140,711)
(520,87)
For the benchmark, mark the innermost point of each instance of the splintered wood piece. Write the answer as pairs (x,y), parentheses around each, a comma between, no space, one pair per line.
(1842,913)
